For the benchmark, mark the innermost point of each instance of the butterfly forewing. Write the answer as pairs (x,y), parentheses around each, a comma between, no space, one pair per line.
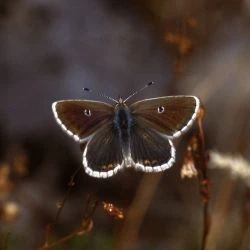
(170,115)
(150,151)
(102,156)
(81,118)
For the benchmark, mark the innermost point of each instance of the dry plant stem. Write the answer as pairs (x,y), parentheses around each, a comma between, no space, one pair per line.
(137,211)
(64,239)
(59,210)
(85,227)
(70,185)
(203,177)
(91,206)
(205,225)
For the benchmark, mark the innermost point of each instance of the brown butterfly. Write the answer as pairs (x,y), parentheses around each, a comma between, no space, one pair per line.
(119,136)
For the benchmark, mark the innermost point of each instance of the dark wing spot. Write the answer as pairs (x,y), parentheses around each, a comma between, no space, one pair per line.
(160,109)
(87,112)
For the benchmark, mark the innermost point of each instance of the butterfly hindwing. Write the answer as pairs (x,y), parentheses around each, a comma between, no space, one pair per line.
(171,115)
(102,156)
(150,151)
(81,118)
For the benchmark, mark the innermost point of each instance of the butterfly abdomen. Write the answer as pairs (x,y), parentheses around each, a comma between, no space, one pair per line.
(123,122)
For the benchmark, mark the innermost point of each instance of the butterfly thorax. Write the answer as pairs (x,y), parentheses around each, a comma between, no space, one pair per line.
(123,122)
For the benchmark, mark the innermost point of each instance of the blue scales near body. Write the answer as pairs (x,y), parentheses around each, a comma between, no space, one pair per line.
(123,122)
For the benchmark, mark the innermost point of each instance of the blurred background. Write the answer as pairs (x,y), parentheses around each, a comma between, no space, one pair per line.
(50,50)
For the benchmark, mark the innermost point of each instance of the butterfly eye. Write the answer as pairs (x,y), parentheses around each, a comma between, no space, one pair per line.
(87,112)
(160,109)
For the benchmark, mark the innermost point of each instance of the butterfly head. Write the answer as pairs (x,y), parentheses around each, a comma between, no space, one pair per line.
(120,100)
(120,103)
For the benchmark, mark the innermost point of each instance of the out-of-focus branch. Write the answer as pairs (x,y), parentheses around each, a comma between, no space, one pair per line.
(195,164)
(201,159)
(137,211)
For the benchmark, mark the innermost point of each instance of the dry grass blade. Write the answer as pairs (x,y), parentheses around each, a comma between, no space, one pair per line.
(137,211)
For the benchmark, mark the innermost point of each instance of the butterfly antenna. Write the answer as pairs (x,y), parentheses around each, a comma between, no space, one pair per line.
(101,94)
(139,90)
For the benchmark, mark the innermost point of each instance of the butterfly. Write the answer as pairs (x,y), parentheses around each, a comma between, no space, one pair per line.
(121,135)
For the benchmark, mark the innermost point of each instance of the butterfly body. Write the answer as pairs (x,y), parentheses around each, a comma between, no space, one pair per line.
(123,122)
(119,136)
(122,118)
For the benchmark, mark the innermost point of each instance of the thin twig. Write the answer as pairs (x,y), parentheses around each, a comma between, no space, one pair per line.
(86,224)
(203,177)
(60,241)
(71,183)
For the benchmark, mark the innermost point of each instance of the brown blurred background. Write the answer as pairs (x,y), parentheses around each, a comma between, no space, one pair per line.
(50,50)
